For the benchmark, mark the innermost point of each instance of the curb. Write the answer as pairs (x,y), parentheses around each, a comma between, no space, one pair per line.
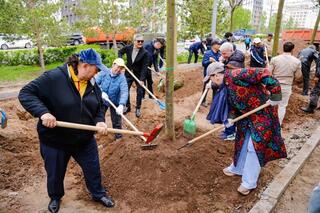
(273,193)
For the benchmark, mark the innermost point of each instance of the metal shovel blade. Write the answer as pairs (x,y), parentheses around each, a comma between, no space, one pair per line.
(189,126)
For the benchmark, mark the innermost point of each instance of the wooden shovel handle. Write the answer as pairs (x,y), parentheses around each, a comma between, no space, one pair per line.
(158,74)
(144,87)
(220,127)
(126,119)
(96,128)
(200,101)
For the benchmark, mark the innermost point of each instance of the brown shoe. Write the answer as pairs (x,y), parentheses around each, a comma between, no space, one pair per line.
(244,191)
(227,172)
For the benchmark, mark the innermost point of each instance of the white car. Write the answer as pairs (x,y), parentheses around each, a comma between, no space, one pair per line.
(8,42)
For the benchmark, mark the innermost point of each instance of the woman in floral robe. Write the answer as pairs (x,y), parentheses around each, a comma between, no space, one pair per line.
(258,137)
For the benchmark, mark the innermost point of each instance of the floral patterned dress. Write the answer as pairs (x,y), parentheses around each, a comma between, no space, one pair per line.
(249,88)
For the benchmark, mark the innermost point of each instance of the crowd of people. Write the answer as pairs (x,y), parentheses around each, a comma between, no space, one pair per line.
(81,91)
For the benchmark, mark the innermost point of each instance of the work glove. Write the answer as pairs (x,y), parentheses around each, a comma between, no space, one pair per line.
(273,103)
(208,85)
(105,96)
(228,123)
(119,110)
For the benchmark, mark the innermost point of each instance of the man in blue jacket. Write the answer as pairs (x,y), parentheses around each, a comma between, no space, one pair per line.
(69,93)
(194,49)
(210,56)
(113,83)
(153,50)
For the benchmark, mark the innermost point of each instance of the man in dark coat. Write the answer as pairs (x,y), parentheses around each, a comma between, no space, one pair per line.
(194,49)
(68,93)
(306,57)
(153,50)
(210,56)
(257,54)
(137,62)
(315,93)
(230,57)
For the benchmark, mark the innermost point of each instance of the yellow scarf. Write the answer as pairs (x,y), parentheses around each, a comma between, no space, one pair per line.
(80,85)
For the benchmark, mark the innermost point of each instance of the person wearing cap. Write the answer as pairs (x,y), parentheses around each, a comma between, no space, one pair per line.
(194,49)
(69,93)
(137,62)
(257,52)
(113,85)
(268,43)
(258,136)
(230,57)
(307,56)
(153,50)
(219,107)
(210,56)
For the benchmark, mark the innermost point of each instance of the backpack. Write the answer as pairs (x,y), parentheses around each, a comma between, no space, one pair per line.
(247,41)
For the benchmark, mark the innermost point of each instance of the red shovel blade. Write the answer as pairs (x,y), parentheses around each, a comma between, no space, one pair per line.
(155,132)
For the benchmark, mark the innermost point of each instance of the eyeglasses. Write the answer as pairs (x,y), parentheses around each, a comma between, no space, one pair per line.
(140,41)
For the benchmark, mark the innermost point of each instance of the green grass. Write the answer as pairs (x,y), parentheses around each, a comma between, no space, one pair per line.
(22,72)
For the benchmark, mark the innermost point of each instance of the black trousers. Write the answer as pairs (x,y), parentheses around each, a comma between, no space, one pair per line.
(196,56)
(247,46)
(314,96)
(139,93)
(305,69)
(56,161)
(149,82)
(116,121)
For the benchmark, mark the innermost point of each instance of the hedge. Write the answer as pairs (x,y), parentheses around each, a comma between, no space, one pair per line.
(52,55)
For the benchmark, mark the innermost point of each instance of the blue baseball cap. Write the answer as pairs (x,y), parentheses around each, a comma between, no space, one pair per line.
(90,56)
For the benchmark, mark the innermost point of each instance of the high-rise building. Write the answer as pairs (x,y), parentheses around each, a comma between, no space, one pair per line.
(303,13)
(67,11)
(256,8)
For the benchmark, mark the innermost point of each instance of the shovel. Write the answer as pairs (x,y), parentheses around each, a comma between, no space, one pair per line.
(162,105)
(150,136)
(221,127)
(129,122)
(160,75)
(4,119)
(189,124)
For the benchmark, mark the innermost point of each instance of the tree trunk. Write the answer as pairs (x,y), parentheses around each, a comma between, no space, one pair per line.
(114,43)
(315,29)
(171,64)
(214,18)
(277,29)
(231,20)
(40,52)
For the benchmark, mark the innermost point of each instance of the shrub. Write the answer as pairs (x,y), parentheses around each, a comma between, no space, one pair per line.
(51,55)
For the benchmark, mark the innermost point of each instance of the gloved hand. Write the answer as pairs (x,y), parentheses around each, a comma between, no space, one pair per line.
(208,85)
(228,123)
(273,103)
(105,96)
(119,110)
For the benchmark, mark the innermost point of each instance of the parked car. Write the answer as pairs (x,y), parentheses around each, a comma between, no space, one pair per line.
(8,42)
(75,39)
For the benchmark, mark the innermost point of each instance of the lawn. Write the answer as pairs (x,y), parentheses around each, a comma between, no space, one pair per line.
(22,72)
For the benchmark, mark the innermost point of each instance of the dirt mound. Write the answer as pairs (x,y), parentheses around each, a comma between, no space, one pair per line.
(189,180)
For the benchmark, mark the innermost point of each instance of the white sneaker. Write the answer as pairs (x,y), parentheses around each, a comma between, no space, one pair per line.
(230,137)
(227,172)
(244,191)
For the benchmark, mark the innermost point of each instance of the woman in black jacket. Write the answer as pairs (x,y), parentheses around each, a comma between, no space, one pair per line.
(68,93)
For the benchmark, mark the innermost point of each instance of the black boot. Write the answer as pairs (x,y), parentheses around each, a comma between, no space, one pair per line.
(127,109)
(106,201)
(54,206)
(138,113)
(307,109)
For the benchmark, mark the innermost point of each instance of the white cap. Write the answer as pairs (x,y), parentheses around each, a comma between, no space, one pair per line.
(256,40)
(119,62)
